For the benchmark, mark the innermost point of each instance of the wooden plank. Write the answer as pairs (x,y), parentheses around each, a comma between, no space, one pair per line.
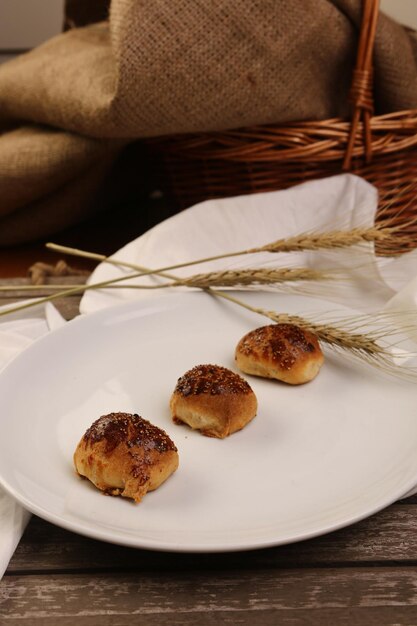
(390,536)
(345,596)
(364,616)
(382,616)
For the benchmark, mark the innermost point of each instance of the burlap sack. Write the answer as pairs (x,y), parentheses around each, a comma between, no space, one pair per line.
(174,66)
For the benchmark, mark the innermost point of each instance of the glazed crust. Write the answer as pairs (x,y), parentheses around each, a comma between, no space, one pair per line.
(213,400)
(123,454)
(281,351)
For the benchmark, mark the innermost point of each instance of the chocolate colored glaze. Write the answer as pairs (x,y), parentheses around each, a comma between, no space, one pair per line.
(279,343)
(130,429)
(211,379)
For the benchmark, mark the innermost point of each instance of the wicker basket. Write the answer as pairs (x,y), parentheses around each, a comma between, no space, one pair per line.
(382,149)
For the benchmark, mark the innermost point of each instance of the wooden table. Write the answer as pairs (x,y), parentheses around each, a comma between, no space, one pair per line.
(363,575)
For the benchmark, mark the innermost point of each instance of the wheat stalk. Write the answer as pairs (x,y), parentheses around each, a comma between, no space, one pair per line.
(80,286)
(247,277)
(226,278)
(333,335)
(342,335)
(329,240)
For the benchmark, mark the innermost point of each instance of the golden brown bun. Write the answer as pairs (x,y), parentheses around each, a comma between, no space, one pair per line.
(281,351)
(214,400)
(123,454)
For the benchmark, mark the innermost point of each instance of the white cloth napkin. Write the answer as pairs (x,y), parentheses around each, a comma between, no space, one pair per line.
(17,332)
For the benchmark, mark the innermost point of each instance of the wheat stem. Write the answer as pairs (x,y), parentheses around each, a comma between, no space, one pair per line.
(333,239)
(227,278)
(42,287)
(329,334)
(81,287)
(66,292)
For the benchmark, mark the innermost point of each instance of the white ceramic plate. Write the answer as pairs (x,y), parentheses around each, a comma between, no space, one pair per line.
(317,457)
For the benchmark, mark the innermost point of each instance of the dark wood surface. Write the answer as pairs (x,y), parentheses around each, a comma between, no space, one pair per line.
(362,575)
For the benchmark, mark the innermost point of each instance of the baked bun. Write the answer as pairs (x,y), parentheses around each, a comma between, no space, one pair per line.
(123,454)
(214,400)
(282,351)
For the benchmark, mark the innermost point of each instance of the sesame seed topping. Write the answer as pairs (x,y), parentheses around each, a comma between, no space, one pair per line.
(212,380)
(282,344)
(130,429)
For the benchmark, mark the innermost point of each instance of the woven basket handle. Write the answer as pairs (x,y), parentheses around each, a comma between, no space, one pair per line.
(361,91)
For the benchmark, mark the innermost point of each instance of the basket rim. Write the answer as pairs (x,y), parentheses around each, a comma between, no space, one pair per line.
(296,141)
